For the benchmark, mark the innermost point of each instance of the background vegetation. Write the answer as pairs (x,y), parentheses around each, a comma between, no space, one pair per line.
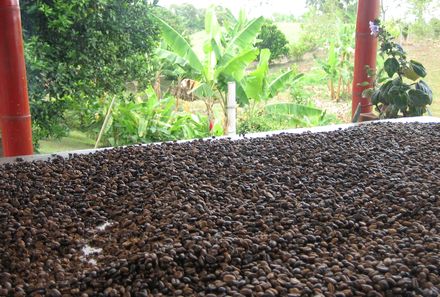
(108,68)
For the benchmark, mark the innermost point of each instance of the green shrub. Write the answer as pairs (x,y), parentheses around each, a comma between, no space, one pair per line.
(255,121)
(293,115)
(300,95)
(419,30)
(434,24)
(144,118)
(403,92)
(81,50)
(306,43)
(281,116)
(273,39)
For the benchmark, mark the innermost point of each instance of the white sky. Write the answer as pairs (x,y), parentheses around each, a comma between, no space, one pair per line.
(396,9)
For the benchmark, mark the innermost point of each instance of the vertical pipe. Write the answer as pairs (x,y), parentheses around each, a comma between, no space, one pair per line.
(231,106)
(15,118)
(365,52)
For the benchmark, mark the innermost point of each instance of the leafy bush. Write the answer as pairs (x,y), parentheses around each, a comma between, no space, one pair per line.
(316,28)
(299,93)
(281,116)
(81,50)
(273,39)
(192,18)
(306,43)
(145,118)
(329,7)
(395,96)
(256,123)
(435,27)
(295,115)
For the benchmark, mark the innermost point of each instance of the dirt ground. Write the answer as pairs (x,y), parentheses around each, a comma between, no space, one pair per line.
(427,52)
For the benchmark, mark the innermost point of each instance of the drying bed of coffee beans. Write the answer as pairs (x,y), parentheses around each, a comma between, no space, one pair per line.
(352,212)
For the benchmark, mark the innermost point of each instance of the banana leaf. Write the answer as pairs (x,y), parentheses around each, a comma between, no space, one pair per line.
(172,58)
(236,66)
(243,39)
(280,82)
(179,44)
(254,84)
(295,114)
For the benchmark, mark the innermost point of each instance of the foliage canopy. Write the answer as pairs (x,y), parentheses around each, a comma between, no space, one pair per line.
(80,50)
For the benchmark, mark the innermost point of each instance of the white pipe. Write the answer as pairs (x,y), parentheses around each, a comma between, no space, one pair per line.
(232,110)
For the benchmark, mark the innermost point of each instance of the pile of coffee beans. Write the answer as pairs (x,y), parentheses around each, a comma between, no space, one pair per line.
(353,212)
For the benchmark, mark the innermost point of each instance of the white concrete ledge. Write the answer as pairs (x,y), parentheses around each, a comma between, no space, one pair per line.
(45,157)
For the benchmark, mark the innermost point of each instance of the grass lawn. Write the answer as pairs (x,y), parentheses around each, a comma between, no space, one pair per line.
(74,141)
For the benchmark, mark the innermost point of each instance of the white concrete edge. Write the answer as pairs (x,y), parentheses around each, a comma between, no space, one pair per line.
(329,128)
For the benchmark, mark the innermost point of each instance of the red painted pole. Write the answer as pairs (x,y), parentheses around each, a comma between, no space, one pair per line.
(365,52)
(15,117)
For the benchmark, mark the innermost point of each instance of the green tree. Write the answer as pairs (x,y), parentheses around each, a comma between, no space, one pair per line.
(419,7)
(192,17)
(174,20)
(80,51)
(332,6)
(280,17)
(273,39)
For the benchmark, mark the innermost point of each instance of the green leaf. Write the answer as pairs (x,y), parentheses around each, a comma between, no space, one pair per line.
(332,56)
(418,68)
(242,97)
(142,127)
(392,111)
(281,81)
(375,98)
(423,86)
(216,49)
(212,26)
(364,84)
(236,67)
(254,84)
(391,66)
(368,93)
(171,57)
(203,90)
(179,44)
(402,100)
(384,91)
(418,98)
(294,114)
(243,39)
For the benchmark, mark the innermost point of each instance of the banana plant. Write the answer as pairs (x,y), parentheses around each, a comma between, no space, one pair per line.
(256,86)
(338,66)
(297,115)
(228,53)
(223,60)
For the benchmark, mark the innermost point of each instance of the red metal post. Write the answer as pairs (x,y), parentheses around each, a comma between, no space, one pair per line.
(15,118)
(365,52)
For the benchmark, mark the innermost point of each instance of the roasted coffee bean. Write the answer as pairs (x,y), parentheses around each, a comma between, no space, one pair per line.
(352,212)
